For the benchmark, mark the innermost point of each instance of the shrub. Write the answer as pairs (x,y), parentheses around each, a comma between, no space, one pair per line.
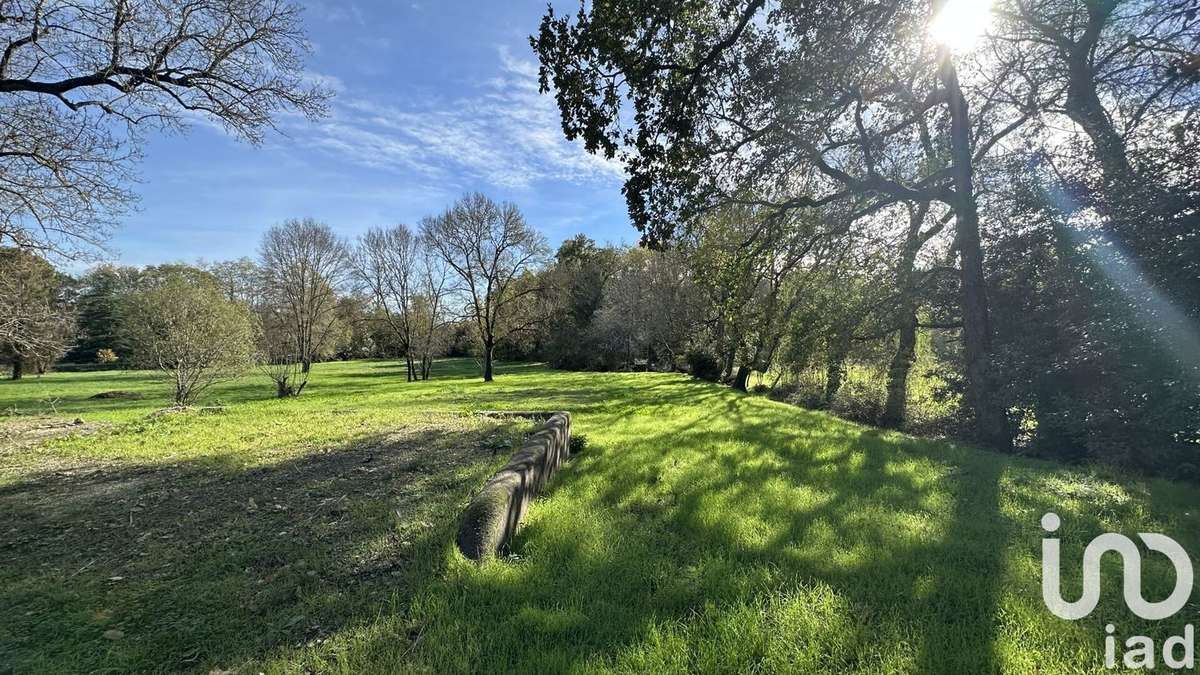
(106,356)
(704,366)
(578,444)
(784,391)
(189,332)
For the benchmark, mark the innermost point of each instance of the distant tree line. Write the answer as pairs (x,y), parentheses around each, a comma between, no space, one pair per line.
(853,323)
(464,283)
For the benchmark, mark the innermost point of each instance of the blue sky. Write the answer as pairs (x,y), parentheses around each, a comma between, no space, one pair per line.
(434,99)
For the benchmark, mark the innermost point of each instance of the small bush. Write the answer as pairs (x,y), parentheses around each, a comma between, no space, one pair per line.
(704,366)
(577,444)
(106,356)
(784,391)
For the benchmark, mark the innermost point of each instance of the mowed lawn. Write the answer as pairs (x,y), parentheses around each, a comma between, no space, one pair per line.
(700,531)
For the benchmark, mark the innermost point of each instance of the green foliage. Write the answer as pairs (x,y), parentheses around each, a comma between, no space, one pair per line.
(577,281)
(933,408)
(703,365)
(1101,361)
(97,308)
(36,322)
(579,443)
(188,331)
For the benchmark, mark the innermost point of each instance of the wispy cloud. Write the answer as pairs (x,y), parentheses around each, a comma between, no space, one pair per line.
(325,81)
(366,147)
(334,12)
(505,134)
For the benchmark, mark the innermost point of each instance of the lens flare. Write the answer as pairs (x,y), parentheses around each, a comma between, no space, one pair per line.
(961,23)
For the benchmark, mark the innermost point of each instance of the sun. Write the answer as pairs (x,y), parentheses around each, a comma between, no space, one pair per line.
(961,23)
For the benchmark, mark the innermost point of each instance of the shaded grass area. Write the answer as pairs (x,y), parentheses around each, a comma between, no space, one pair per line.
(199,541)
(701,531)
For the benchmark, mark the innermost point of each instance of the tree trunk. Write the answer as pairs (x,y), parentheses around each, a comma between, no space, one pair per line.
(740,379)
(1129,195)
(305,366)
(894,408)
(989,422)
(835,368)
(283,388)
(488,350)
(727,364)
(18,368)
(1085,109)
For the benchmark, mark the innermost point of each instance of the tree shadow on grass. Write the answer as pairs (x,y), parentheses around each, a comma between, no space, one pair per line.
(915,545)
(195,566)
(736,540)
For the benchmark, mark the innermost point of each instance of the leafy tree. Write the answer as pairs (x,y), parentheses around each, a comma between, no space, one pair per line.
(748,263)
(806,104)
(36,321)
(576,283)
(98,308)
(1090,349)
(187,331)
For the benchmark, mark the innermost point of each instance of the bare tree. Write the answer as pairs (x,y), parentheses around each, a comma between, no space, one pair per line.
(240,279)
(433,285)
(303,263)
(386,264)
(81,79)
(489,246)
(276,357)
(407,283)
(650,306)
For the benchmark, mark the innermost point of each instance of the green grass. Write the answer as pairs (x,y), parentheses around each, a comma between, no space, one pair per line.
(701,530)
